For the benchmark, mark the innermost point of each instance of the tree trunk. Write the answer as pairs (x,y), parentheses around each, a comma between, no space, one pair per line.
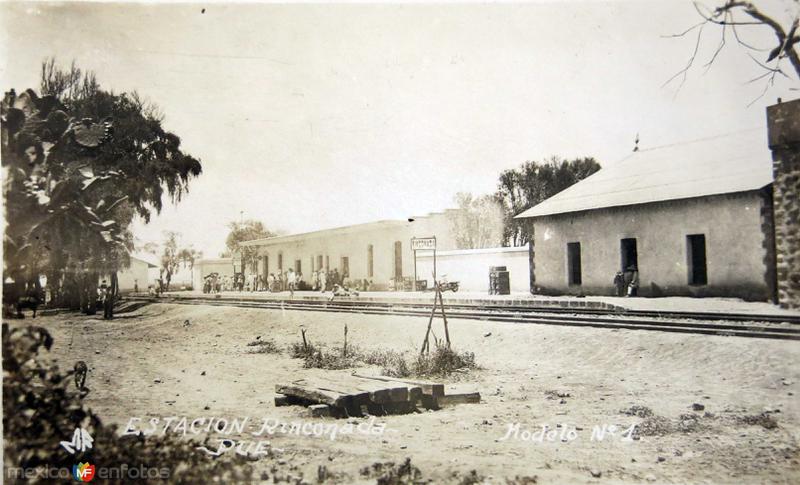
(114,286)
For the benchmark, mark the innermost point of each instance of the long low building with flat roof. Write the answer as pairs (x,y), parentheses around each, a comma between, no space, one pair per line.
(378,252)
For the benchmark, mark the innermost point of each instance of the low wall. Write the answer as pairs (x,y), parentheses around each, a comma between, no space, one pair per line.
(470,267)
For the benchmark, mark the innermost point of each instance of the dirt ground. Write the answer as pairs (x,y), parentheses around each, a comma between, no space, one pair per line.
(192,361)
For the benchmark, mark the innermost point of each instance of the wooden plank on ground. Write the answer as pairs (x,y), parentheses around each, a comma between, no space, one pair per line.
(429,388)
(320,396)
(462,398)
(334,385)
(379,391)
(320,410)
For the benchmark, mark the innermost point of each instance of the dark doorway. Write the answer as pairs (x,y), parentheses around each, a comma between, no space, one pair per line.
(628,252)
(266,267)
(398,259)
(696,259)
(574,263)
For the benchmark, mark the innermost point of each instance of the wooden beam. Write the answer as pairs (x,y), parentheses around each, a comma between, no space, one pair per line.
(465,398)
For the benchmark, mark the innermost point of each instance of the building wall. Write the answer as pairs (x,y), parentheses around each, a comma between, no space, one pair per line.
(784,141)
(735,248)
(137,273)
(354,244)
(470,267)
(204,267)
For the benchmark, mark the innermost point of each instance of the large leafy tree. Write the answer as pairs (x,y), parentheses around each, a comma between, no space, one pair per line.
(246,231)
(532,182)
(477,222)
(80,164)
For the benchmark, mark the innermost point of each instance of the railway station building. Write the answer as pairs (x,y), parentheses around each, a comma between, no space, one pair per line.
(378,252)
(695,219)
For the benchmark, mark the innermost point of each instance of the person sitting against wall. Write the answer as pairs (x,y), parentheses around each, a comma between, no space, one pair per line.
(339,290)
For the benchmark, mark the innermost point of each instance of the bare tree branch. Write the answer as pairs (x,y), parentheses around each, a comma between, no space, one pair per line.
(724,17)
(689,64)
(719,47)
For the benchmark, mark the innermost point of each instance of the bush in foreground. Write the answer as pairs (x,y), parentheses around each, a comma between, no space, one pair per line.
(39,411)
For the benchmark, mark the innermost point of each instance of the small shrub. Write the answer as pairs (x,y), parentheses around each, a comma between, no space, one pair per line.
(473,478)
(263,347)
(522,480)
(400,369)
(333,360)
(388,473)
(443,362)
(654,426)
(688,423)
(298,350)
(640,411)
(764,420)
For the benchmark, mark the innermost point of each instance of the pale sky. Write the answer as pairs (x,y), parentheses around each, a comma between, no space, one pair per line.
(314,116)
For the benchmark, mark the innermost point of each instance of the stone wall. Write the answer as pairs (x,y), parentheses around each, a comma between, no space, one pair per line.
(783,121)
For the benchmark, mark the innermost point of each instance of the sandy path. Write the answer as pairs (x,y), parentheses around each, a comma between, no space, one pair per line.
(603,371)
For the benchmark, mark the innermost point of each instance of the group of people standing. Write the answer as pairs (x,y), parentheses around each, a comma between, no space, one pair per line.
(288,280)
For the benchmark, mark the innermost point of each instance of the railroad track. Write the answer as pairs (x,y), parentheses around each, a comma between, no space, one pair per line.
(757,326)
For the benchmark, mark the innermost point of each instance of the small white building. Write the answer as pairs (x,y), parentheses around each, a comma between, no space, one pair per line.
(137,275)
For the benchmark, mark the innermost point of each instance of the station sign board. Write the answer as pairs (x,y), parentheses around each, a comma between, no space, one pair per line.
(421,243)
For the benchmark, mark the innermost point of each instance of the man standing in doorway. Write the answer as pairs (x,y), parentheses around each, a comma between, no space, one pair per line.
(631,276)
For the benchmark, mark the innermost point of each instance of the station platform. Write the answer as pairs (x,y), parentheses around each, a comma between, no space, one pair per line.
(665,304)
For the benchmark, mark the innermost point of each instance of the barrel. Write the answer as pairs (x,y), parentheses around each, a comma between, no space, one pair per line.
(499,281)
(503,283)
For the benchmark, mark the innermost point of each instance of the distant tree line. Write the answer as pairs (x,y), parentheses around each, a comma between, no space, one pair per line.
(488,220)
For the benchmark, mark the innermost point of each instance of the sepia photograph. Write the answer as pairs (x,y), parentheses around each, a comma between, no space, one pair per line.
(401,242)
